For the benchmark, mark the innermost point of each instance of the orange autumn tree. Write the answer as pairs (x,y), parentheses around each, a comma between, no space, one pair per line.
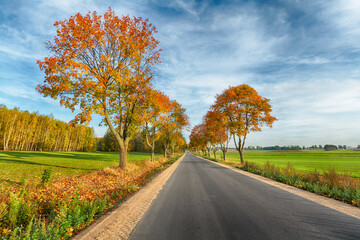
(211,132)
(246,111)
(215,124)
(197,138)
(155,117)
(175,123)
(209,137)
(103,65)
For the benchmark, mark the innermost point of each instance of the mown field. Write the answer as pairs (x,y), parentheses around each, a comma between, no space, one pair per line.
(17,165)
(343,161)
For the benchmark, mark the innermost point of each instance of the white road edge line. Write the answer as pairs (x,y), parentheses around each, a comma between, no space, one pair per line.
(325,201)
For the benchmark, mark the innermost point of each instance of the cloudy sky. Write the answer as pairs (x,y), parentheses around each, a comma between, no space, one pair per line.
(303,55)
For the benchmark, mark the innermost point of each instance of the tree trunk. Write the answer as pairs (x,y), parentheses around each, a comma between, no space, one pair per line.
(6,143)
(152,152)
(241,152)
(151,145)
(209,151)
(224,155)
(123,157)
(214,154)
(123,144)
(165,150)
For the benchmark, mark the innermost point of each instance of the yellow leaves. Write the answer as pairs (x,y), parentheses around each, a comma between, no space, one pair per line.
(70,231)
(4,231)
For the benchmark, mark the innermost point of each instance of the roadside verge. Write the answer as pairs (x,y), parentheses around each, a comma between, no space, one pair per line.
(119,223)
(328,202)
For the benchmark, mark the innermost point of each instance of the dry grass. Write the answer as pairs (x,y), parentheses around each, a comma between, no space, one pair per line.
(331,178)
(3,210)
(313,177)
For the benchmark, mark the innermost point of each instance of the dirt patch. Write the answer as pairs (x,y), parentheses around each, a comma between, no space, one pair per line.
(328,202)
(119,223)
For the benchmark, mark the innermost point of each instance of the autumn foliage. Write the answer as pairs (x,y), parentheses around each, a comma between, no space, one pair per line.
(155,116)
(236,112)
(62,207)
(173,125)
(216,131)
(104,65)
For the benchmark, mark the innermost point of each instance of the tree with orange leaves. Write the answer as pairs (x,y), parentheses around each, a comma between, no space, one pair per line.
(211,132)
(155,117)
(176,122)
(216,130)
(197,140)
(208,134)
(103,65)
(246,111)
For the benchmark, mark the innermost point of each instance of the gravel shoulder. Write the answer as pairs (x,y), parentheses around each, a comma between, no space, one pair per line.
(119,223)
(328,202)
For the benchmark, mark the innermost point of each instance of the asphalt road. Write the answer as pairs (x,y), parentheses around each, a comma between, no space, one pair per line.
(202,200)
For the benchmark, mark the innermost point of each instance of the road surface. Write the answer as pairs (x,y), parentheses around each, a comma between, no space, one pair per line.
(203,200)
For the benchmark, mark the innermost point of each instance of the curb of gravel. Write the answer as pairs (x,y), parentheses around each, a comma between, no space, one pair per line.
(119,223)
(327,202)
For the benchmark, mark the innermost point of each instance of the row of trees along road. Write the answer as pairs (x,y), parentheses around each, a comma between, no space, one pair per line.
(104,65)
(236,112)
(139,144)
(24,131)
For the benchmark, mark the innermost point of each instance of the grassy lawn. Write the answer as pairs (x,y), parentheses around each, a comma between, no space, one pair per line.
(14,165)
(344,161)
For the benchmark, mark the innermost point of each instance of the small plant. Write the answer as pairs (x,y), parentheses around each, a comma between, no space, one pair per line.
(289,170)
(116,195)
(331,177)
(3,210)
(15,205)
(313,177)
(133,188)
(22,181)
(46,176)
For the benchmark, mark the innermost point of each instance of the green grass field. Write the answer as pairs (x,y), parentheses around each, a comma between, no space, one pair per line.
(344,161)
(15,165)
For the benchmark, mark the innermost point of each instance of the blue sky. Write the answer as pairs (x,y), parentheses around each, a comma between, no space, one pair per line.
(303,55)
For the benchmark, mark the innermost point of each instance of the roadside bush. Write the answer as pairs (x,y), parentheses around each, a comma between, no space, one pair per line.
(331,177)
(45,178)
(289,170)
(313,177)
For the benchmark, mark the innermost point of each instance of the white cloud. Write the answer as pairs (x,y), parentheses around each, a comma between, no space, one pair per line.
(296,63)
(309,60)
(19,44)
(344,18)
